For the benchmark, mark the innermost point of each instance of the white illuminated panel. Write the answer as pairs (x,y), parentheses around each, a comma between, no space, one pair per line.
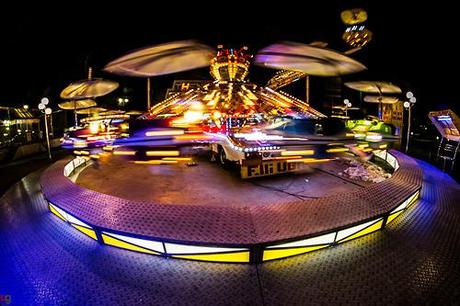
(405,203)
(392,161)
(381,154)
(63,213)
(74,220)
(350,231)
(148,244)
(68,169)
(72,165)
(323,239)
(172,248)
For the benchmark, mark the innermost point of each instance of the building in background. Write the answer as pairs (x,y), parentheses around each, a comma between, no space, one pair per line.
(394,114)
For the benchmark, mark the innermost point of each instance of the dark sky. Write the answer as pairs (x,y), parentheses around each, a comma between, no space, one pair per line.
(43,48)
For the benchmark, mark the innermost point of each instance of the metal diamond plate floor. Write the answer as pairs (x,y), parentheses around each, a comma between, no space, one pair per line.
(415,260)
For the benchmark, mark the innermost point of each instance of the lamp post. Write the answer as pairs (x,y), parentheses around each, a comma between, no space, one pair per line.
(347,106)
(42,107)
(408,105)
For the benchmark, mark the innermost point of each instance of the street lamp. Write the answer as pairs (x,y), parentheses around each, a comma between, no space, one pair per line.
(347,106)
(408,105)
(42,107)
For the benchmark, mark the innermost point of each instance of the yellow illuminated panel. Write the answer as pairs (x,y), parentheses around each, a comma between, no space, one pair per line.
(281,253)
(54,211)
(162,153)
(394,216)
(124,245)
(225,257)
(165,133)
(337,150)
(86,231)
(192,137)
(367,230)
(124,153)
(177,159)
(303,152)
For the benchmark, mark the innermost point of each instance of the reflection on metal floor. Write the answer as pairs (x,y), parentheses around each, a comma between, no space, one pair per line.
(414,260)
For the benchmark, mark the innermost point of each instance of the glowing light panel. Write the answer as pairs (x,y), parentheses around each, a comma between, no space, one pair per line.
(282,253)
(352,230)
(226,257)
(323,239)
(172,248)
(367,230)
(124,245)
(148,244)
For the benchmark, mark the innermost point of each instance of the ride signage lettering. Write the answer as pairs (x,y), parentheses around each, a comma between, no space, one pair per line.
(268,168)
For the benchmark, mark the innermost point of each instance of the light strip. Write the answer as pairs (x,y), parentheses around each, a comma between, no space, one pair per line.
(124,152)
(309,160)
(60,211)
(352,230)
(155,162)
(124,245)
(282,253)
(148,244)
(172,248)
(372,228)
(406,203)
(57,213)
(337,150)
(323,239)
(165,133)
(393,216)
(88,232)
(301,152)
(162,153)
(74,220)
(177,159)
(225,257)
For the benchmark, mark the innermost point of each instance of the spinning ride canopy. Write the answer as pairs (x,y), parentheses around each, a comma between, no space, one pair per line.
(90,88)
(162,59)
(374,87)
(77,104)
(381,99)
(90,111)
(112,112)
(134,113)
(229,96)
(306,58)
(215,101)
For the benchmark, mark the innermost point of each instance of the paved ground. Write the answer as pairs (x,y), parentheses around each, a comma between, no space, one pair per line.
(13,172)
(414,261)
(202,184)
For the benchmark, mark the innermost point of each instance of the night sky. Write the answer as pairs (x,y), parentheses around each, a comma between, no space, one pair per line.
(43,48)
